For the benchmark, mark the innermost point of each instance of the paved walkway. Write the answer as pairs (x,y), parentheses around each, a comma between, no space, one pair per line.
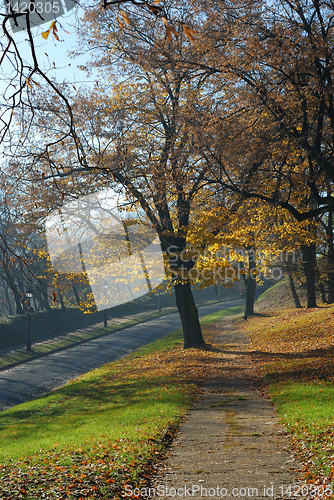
(231,445)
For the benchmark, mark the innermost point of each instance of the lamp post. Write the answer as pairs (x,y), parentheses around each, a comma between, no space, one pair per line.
(159,300)
(105,306)
(29,296)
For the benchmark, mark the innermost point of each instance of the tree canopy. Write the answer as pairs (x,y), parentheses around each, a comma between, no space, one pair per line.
(213,120)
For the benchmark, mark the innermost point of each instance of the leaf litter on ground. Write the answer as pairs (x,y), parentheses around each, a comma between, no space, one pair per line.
(113,425)
(292,355)
(104,430)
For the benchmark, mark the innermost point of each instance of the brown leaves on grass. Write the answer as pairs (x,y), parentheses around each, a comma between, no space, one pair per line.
(297,344)
(294,350)
(100,470)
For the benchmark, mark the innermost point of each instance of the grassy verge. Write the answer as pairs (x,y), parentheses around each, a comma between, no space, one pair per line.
(69,339)
(294,351)
(50,324)
(99,436)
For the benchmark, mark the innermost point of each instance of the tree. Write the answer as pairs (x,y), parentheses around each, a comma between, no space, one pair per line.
(275,61)
(137,134)
(240,106)
(254,242)
(22,71)
(277,58)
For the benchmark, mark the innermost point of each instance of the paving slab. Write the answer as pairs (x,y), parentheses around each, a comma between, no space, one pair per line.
(231,444)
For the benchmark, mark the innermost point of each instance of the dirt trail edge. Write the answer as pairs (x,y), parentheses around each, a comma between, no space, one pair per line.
(231,444)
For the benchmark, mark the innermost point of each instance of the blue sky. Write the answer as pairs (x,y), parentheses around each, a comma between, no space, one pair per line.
(57,51)
(58,65)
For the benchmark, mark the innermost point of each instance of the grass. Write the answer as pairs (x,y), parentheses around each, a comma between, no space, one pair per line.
(108,401)
(68,340)
(50,324)
(294,351)
(103,431)
(307,410)
(211,318)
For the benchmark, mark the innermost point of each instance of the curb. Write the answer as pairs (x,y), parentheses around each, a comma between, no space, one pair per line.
(59,349)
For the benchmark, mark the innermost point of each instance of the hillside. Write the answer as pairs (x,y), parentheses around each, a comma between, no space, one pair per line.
(279,297)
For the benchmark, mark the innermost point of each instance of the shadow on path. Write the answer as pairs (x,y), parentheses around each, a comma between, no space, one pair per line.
(231,444)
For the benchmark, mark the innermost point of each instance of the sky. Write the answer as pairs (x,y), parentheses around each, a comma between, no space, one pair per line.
(55,54)
(53,58)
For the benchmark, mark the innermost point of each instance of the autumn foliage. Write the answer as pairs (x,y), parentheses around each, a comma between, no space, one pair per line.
(292,354)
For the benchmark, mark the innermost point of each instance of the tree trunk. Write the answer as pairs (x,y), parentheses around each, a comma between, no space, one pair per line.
(45,301)
(43,295)
(330,255)
(9,307)
(330,278)
(179,265)
(40,300)
(321,284)
(189,316)
(76,295)
(309,265)
(62,305)
(15,285)
(330,299)
(293,289)
(8,303)
(17,297)
(250,284)
(322,292)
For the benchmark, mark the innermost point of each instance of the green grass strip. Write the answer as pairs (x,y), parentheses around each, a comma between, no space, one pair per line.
(307,411)
(71,339)
(101,432)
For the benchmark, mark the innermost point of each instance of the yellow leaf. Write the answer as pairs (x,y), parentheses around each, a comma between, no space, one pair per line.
(28,83)
(169,28)
(125,17)
(121,24)
(54,30)
(156,2)
(189,32)
(53,27)
(45,34)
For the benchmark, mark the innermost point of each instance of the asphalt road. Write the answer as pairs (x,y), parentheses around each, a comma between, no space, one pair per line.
(39,376)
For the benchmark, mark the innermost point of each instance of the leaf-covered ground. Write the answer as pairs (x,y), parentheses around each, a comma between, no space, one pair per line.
(105,429)
(294,351)
(110,427)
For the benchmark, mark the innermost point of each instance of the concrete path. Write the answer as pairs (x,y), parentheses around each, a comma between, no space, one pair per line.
(231,445)
(39,376)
